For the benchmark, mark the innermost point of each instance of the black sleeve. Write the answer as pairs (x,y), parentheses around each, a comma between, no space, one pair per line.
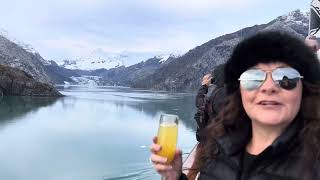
(183,177)
(316,170)
(219,99)
(200,98)
(200,115)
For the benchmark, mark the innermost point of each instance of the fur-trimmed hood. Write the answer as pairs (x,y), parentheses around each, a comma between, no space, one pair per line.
(267,47)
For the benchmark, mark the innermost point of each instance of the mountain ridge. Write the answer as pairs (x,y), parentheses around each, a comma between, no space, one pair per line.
(177,73)
(184,73)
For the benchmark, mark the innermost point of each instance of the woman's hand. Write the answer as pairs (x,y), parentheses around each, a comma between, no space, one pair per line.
(170,171)
(206,80)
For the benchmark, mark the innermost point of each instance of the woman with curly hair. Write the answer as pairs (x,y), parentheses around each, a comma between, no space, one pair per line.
(270,127)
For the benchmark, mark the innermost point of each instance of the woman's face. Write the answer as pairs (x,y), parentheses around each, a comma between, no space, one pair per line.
(269,104)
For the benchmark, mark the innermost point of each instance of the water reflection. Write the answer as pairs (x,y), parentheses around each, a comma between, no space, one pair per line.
(130,120)
(16,107)
(153,107)
(92,133)
(151,103)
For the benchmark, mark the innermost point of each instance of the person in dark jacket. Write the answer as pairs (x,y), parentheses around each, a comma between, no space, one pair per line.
(270,126)
(210,98)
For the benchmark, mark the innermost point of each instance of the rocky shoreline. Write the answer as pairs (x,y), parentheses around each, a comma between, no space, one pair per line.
(15,82)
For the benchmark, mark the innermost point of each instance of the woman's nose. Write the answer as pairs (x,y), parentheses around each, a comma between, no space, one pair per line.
(269,86)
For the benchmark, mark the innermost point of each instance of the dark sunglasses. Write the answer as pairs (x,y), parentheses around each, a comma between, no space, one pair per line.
(287,78)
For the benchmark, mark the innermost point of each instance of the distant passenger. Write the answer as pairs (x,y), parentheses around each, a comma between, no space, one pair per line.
(209,99)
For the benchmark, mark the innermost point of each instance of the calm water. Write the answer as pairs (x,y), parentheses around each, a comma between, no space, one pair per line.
(92,134)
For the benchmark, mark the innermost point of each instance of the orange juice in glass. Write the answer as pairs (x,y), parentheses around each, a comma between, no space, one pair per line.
(168,135)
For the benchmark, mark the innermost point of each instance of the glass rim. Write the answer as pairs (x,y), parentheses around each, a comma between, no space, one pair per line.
(169,118)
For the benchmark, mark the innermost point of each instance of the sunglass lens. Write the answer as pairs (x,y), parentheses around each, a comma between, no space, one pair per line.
(252,79)
(287,83)
(251,84)
(287,78)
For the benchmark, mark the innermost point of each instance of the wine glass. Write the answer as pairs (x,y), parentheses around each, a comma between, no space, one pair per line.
(168,135)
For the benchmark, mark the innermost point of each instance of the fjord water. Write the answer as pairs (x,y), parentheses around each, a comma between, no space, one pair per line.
(92,133)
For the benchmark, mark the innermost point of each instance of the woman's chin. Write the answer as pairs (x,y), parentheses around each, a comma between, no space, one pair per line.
(270,118)
(273,121)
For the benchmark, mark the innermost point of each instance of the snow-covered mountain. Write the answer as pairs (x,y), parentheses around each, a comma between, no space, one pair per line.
(164,57)
(92,64)
(183,73)
(296,17)
(15,54)
(122,76)
(24,46)
(99,59)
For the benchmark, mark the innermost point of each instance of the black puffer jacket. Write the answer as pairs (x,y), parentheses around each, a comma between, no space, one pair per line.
(280,161)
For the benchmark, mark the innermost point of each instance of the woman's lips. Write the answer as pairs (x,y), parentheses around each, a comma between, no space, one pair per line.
(269,103)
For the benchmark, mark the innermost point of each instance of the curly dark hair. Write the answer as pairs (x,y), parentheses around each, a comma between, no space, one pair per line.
(233,114)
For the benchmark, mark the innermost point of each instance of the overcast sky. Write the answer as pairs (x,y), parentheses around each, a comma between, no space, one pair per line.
(68,29)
